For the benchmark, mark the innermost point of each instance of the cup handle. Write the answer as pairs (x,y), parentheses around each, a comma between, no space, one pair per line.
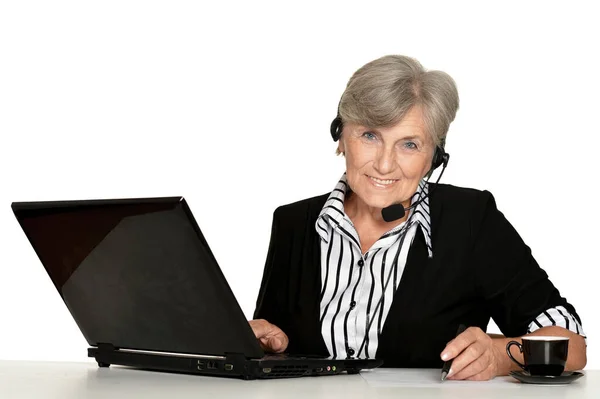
(511,343)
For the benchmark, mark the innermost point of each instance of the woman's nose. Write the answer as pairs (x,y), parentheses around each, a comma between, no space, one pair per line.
(385,161)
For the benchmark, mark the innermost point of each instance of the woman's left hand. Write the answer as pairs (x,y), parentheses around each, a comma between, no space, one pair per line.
(476,358)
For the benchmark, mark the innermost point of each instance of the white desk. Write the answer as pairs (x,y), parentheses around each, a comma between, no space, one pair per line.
(85,380)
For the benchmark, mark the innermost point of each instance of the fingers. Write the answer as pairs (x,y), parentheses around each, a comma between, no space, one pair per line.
(276,343)
(471,354)
(273,344)
(475,367)
(459,344)
(270,337)
(485,375)
(260,327)
(279,341)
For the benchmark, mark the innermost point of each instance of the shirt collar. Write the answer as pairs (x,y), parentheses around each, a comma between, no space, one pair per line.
(332,214)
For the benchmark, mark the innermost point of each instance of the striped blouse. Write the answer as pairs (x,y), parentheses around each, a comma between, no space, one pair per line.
(358,288)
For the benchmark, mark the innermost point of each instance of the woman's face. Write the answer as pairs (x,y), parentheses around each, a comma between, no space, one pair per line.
(384,166)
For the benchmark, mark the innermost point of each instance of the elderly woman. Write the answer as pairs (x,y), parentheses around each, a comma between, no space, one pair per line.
(343,279)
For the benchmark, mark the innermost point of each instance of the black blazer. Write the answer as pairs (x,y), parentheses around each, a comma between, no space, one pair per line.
(480,268)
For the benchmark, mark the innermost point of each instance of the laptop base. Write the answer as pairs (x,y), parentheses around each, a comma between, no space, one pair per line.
(232,365)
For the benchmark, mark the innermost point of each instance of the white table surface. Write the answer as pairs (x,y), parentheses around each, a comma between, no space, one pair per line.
(51,380)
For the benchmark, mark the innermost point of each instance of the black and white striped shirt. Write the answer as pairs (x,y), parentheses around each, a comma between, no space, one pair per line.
(358,289)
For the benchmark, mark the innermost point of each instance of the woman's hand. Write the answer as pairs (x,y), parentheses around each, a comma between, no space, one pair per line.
(271,338)
(476,358)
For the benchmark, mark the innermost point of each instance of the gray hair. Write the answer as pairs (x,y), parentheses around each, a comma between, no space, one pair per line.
(381,92)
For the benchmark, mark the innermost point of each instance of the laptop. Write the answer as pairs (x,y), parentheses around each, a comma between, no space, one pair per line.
(144,288)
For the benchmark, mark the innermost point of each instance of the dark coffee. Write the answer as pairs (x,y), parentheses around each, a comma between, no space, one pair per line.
(542,355)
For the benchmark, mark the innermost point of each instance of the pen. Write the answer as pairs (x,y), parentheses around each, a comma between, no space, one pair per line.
(448,363)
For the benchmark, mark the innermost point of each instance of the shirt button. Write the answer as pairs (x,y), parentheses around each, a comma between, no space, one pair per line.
(352,304)
(350,352)
(361,263)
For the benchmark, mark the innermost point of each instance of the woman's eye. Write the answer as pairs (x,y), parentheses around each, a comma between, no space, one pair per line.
(369,135)
(410,145)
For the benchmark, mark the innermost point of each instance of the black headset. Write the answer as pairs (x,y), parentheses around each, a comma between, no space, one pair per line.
(440,157)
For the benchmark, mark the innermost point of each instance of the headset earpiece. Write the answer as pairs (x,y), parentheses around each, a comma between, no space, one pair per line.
(336,128)
(440,157)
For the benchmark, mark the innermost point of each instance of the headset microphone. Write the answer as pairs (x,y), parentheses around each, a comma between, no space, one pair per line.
(393,212)
(397,211)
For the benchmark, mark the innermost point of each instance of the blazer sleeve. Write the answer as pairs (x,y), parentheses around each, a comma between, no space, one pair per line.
(514,287)
(266,303)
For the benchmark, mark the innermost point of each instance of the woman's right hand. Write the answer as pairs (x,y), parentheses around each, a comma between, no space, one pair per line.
(272,338)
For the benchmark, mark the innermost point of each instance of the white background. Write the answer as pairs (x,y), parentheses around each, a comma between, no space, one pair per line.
(229,104)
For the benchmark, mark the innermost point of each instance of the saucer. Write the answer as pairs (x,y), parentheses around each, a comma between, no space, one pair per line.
(565,378)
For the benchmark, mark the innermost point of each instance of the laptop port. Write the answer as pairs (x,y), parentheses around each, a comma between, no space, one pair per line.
(211,365)
(229,367)
(319,370)
(201,365)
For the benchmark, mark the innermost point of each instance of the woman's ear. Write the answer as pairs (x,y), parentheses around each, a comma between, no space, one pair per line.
(340,149)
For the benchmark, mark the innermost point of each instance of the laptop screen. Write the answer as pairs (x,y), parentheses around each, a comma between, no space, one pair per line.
(138,274)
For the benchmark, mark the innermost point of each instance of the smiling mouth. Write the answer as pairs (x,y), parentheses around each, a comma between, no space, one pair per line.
(382,182)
